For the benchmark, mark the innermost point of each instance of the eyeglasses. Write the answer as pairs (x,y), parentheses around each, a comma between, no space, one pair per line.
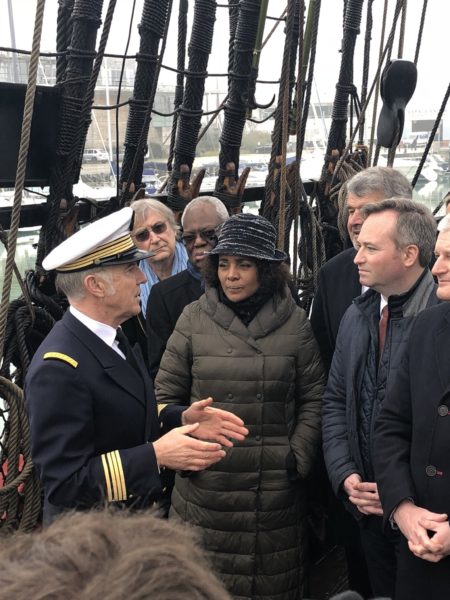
(207,235)
(143,234)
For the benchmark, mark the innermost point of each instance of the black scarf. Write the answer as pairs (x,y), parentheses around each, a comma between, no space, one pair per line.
(246,309)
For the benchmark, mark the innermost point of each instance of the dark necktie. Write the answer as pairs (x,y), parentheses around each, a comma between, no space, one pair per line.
(382,328)
(125,347)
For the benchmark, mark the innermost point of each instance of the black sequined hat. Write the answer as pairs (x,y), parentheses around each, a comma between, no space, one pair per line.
(249,235)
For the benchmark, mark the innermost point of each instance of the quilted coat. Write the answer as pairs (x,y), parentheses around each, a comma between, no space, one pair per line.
(250,508)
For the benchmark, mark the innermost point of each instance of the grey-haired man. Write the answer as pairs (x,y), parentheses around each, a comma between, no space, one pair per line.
(95,433)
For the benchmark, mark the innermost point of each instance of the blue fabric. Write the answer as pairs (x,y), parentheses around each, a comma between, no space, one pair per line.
(194,272)
(180,261)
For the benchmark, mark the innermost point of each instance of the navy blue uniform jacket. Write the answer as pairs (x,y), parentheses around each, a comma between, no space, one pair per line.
(91,416)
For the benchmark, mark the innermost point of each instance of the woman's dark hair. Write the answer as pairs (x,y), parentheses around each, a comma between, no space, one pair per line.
(272,276)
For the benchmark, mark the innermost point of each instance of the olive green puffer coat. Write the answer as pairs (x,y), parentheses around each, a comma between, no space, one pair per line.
(250,508)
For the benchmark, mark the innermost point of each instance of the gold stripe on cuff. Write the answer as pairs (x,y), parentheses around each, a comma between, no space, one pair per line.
(107,478)
(121,474)
(113,477)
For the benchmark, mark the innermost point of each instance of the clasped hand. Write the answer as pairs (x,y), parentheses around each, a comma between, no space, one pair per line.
(416,523)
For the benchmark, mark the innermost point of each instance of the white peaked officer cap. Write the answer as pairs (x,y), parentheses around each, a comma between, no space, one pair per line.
(105,242)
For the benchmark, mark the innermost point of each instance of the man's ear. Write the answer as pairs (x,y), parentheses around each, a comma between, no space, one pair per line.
(95,285)
(411,254)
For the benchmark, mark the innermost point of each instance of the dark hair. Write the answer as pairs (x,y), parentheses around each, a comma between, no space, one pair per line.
(272,276)
(106,554)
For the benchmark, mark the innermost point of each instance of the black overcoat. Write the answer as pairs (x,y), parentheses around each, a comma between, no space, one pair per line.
(412,445)
(165,304)
(338,285)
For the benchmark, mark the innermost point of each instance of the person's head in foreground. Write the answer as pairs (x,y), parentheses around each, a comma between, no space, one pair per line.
(109,555)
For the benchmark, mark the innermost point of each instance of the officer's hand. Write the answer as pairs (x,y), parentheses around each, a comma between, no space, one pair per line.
(178,451)
(214,423)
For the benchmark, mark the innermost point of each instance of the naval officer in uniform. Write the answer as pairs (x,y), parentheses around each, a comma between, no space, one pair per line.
(96,435)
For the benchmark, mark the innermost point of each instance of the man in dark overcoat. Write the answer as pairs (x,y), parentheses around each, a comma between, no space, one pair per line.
(412,447)
(395,247)
(338,285)
(95,433)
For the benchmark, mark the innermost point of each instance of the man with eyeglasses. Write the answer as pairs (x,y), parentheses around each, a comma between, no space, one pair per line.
(200,220)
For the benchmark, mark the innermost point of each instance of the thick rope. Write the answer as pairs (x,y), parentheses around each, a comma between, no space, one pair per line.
(75,155)
(63,34)
(20,494)
(86,17)
(336,136)
(189,120)
(387,48)
(181,54)
(240,92)
(21,168)
(153,28)
(220,108)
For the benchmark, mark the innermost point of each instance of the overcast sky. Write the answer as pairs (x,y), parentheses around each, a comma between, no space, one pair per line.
(434,72)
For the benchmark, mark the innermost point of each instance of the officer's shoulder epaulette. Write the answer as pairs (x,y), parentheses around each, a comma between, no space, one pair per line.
(62,357)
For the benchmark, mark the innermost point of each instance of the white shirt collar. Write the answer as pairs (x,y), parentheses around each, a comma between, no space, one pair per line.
(383,303)
(103,331)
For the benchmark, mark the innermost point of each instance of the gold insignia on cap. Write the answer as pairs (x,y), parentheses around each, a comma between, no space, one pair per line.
(100,253)
(63,357)
(116,488)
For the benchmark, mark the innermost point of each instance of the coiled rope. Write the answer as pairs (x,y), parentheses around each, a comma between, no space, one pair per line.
(20,494)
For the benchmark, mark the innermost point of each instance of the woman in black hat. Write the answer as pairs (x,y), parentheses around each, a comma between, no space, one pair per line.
(246,344)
